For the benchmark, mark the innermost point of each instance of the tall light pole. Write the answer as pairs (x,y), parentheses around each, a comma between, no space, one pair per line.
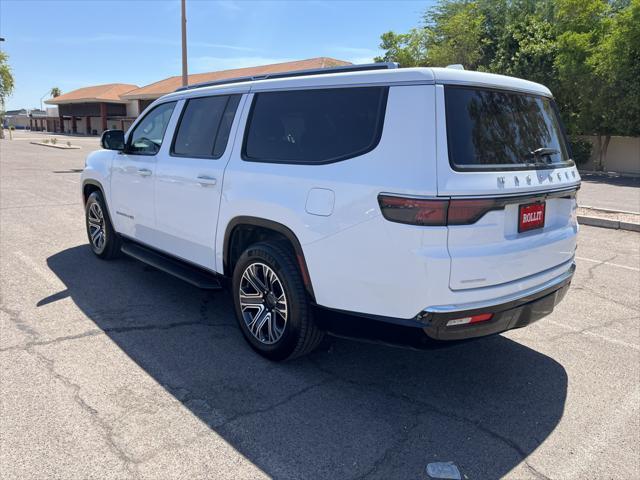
(185,79)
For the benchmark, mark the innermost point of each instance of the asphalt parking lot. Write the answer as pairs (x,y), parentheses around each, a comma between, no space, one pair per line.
(115,370)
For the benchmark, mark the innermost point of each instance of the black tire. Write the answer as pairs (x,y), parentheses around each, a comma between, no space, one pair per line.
(110,246)
(300,334)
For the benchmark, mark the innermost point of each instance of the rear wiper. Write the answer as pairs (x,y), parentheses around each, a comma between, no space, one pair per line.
(541,152)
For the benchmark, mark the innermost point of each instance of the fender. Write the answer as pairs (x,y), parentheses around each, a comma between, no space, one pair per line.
(277,227)
(96,183)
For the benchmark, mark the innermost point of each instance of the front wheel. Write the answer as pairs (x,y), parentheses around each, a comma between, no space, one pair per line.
(271,303)
(103,240)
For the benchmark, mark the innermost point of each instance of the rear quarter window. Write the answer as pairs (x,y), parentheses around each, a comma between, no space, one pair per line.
(314,126)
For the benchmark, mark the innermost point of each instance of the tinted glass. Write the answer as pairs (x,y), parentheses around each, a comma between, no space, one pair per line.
(148,134)
(494,129)
(225,125)
(315,126)
(203,122)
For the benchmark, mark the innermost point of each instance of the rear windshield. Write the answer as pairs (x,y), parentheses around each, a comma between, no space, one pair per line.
(492,129)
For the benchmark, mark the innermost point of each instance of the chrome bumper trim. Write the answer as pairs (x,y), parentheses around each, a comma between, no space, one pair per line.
(505,299)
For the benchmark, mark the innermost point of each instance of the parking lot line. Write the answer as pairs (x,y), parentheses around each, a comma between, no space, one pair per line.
(633,346)
(633,269)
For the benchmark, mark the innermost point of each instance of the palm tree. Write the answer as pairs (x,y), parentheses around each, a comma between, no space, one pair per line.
(55,92)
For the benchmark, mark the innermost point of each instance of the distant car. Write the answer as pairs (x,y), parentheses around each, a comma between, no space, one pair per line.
(435,198)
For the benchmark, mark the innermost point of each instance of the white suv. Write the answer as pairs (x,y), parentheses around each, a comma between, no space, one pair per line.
(433,198)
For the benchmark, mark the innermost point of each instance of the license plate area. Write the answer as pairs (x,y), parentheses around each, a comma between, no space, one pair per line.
(531,216)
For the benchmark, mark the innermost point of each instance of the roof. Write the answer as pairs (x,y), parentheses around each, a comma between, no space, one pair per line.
(168,85)
(22,111)
(483,79)
(110,93)
(393,76)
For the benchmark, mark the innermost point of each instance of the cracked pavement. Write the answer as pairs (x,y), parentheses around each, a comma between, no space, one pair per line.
(116,370)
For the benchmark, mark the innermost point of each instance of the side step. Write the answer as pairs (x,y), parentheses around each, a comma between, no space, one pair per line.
(191,274)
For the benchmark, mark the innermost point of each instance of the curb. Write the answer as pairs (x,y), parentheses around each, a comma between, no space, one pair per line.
(606,223)
(52,145)
(608,210)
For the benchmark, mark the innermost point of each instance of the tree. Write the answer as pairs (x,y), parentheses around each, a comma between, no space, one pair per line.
(452,33)
(585,51)
(55,92)
(598,72)
(6,84)
(455,34)
(408,49)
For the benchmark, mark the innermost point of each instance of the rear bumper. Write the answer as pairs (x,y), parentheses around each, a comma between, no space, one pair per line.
(507,313)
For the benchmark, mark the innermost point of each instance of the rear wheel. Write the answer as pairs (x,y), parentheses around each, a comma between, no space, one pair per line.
(103,240)
(271,303)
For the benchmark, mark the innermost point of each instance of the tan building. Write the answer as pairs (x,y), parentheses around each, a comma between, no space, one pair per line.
(147,94)
(91,110)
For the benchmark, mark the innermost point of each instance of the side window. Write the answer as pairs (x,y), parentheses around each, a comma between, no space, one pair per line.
(147,137)
(204,126)
(315,126)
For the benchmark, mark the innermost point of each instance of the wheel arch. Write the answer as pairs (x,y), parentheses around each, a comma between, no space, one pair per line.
(242,231)
(91,185)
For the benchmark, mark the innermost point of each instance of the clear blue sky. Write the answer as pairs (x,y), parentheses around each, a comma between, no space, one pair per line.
(71,44)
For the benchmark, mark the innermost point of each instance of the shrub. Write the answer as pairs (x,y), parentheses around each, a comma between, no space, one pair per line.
(54,140)
(68,144)
(581,150)
(46,140)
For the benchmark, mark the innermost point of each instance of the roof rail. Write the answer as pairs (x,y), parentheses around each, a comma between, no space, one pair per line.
(295,73)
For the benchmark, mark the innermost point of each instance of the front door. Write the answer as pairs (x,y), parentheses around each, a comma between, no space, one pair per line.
(133,176)
(189,179)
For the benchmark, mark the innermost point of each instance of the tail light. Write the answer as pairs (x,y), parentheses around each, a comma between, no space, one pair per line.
(465,212)
(414,211)
(428,212)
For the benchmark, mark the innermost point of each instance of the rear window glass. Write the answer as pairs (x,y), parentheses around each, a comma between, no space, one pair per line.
(494,129)
(315,126)
(204,126)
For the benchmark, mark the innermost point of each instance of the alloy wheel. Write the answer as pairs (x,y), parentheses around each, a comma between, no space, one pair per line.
(95,219)
(263,303)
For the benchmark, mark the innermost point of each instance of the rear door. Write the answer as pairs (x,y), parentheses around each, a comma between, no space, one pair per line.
(189,178)
(504,162)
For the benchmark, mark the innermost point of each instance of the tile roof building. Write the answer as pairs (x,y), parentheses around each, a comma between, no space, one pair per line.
(116,105)
(93,109)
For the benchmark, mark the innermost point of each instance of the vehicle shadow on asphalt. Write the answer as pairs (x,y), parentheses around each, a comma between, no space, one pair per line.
(351,411)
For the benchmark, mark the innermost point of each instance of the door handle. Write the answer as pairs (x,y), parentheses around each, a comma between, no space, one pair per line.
(144,172)
(206,180)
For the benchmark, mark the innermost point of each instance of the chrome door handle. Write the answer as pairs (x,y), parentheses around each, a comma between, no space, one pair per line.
(144,172)
(206,180)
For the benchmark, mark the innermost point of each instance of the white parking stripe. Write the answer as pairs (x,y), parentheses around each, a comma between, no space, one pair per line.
(633,346)
(633,269)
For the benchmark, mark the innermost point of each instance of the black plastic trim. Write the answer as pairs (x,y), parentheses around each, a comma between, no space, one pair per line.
(514,314)
(95,183)
(185,271)
(276,227)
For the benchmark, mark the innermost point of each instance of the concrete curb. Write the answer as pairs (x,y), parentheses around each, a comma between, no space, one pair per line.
(607,223)
(63,147)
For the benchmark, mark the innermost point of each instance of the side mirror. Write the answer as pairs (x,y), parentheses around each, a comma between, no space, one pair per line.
(112,140)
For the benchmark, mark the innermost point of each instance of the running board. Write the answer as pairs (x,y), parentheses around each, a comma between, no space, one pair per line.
(191,274)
